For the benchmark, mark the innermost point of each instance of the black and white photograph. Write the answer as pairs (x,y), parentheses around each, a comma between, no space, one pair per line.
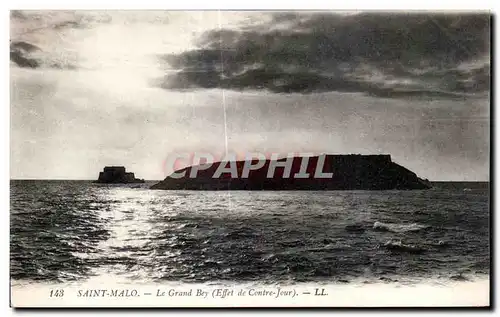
(252,158)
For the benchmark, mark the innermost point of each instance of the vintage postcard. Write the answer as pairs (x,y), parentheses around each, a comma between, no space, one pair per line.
(250,159)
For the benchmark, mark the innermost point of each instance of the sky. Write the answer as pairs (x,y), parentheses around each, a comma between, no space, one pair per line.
(90,89)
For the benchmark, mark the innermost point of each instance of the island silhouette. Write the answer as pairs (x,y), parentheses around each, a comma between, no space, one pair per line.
(343,172)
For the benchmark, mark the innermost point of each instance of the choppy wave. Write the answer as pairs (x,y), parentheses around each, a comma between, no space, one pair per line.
(398,245)
(399,228)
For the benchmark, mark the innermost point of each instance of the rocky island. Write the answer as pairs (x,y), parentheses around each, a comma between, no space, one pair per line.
(117,175)
(324,172)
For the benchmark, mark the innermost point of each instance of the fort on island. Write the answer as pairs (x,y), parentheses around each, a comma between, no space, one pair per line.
(117,175)
(323,172)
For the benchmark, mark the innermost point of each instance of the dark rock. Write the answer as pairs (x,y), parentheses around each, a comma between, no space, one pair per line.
(458,277)
(349,172)
(387,279)
(117,175)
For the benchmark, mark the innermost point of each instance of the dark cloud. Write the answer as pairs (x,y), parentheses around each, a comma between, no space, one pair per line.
(28,55)
(389,55)
(26,25)
(19,54)
(34,21)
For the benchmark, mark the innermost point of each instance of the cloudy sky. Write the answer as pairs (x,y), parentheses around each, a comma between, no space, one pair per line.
(90,89)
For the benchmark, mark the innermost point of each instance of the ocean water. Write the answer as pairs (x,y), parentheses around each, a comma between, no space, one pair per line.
(66,231)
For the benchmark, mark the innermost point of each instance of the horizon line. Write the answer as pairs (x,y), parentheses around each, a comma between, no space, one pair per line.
(147,180)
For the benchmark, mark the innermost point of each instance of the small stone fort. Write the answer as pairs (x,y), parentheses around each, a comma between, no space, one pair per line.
(117,175)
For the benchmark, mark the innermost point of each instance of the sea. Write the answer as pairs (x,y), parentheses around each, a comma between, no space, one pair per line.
(72,231)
